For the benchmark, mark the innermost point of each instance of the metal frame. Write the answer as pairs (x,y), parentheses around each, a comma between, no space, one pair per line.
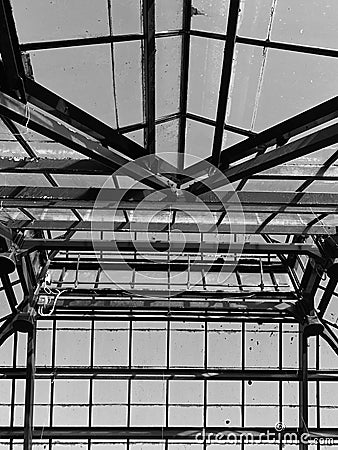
(301,263)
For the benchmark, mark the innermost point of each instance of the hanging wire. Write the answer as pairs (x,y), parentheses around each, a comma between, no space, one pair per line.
(76,282)
(56,294)
(27,116)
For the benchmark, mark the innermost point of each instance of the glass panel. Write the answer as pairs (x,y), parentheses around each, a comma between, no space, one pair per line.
(323,186)
(12,214)
(203,82)
(81,180)
(168,17)
(294,82)
(199,138)
(306,22)
(272,185)
(81,75)
(128,81)
(54,150)
(230,139)
(167,141)
(52,214)
(9,148)
(126,16)
(168,66)
(245,82)
(255,18)
(20,179)
(60,19)
(210,15)
(136,136)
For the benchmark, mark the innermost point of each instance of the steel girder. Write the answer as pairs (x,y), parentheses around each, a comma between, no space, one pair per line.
(154,227)
(80,42)
(52,103)
(280,155)
(194,434)
(51,128)
(234,7)
(184,79)
(130,199)
(265,43)
(188,247)
(149,373)
(149,74)
(277,134)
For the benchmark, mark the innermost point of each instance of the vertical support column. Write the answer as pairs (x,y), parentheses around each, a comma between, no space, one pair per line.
(303,386)
(187,4)
(29,395)
(149,74)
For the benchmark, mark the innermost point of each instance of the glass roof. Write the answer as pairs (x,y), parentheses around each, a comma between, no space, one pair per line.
(284,62)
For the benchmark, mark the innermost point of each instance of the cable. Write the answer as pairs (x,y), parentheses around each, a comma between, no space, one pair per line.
(57,294)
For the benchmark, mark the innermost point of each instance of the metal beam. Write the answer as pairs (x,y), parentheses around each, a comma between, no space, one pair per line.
(179,247)
(140,373)
(6,329)
(52,103)
(7,285)
(168,314)
(320,51)
(248,265)
(97,40)
(185,57)
(276,134)
(10,53)
(329,336)
(149,74)
(303,411)
(309,285)
(54,166)
(17,135)
(227,127)
(228,57)
(29,391)
(160,299)
(265,300)
(280,155)
(130,199)
(79,42)
(64,225)
(51,128)
(197,434)
(326,297)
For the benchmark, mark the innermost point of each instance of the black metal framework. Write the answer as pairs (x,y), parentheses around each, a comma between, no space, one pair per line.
(107,346)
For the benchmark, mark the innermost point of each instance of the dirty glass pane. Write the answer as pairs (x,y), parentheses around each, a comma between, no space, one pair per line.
(203,82)
(306,22)
(71,72)
(60,19)
(210,15)
(168,17)
(168,59)
(294,82)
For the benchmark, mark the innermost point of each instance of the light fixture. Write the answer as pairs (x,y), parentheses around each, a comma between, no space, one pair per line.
(24,321)
(313,326)
(7,263)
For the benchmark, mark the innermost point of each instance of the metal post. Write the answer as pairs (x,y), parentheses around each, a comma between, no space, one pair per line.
(29,396)
(303,386)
